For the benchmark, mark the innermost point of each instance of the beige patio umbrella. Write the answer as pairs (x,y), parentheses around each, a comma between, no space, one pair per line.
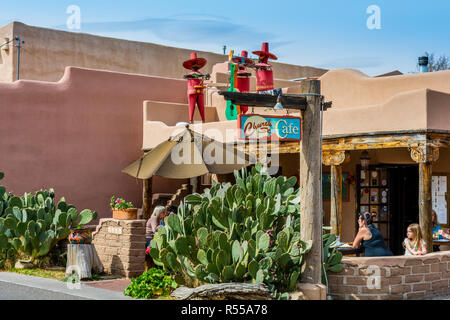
(188,154)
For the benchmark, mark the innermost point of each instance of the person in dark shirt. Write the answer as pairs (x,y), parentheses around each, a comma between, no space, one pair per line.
(370,238)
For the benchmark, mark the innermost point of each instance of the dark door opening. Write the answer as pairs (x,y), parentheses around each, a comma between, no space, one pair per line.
(404,204)
(390,193)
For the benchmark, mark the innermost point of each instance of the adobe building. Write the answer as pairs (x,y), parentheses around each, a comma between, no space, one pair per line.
(385,138)
(75,119)
(47,52)
(89,106)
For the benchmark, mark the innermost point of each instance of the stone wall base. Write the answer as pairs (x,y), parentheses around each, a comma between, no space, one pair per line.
(120,245)
(392,278)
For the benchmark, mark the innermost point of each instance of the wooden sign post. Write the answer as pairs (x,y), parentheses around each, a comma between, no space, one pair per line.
(310,164)
(310,186)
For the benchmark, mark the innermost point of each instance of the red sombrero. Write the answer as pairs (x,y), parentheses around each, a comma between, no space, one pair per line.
(243,58)
(265,51)
(262,64)
(194,62)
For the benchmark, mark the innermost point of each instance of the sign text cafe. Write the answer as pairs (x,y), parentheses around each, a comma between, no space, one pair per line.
(282,128)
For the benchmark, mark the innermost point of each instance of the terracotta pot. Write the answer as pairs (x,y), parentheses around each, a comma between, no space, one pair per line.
(80,236)
(127,214)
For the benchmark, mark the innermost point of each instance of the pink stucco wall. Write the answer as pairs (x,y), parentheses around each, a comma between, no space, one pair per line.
(77,135)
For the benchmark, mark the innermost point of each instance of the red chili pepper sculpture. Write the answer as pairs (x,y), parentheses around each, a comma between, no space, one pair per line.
(264,73)
(243,76)
(195,85)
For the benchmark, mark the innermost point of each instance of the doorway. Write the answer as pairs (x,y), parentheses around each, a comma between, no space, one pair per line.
(404,204)
(390,193)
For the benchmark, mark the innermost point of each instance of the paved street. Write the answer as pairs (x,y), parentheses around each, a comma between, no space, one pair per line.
(12,291)
(439,297)
(21,287)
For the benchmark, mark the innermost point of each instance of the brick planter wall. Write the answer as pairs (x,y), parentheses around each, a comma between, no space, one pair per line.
(401,277)
(120,245)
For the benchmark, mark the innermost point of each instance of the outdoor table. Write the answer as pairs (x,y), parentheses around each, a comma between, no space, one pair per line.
(350,251)
(438,242)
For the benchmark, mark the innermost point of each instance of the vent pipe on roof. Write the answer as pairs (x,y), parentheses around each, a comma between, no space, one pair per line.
(423,64)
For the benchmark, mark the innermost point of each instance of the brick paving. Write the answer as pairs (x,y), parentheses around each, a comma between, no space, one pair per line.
(114,285)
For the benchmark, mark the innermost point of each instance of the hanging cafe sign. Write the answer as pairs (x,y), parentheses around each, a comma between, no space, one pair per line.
(281,128)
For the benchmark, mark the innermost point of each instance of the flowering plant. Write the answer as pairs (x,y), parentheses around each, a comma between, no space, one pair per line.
(119,204)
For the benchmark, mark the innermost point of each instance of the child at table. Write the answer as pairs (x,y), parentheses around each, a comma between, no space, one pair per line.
(438,232)
(414,243)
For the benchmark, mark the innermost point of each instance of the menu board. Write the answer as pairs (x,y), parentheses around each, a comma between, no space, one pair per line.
(438,194)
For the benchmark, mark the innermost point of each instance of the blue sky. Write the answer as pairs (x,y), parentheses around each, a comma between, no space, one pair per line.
(322,33)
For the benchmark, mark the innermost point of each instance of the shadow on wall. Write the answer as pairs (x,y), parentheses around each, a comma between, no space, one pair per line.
(117,267)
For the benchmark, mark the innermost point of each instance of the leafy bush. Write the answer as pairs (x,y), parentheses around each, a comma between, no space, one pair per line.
(32,225)
(153,283)
(119,204)
(247,232)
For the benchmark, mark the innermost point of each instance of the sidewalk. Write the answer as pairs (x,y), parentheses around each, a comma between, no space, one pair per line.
(118,285)
(17,286)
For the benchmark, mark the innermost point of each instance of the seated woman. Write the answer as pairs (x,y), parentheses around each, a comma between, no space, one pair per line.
(153,224)
(370,238)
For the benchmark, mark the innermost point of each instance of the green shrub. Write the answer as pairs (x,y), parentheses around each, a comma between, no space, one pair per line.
(153,283)
(247,232)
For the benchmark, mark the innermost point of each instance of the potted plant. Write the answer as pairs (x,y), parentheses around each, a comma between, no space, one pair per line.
(79,233)
(122,210)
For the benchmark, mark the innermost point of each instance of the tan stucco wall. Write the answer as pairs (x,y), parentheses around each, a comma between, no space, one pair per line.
(419,109)
(7,56)
(47,52)
(77,135)
(351,88)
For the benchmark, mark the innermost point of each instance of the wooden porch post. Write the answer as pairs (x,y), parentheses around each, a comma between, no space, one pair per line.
(425,170)
(310,197)
(425,155)
(147,198)
(335,160)
(336,200)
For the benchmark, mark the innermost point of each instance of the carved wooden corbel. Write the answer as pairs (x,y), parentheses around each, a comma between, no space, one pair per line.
(424,153)
(335,158)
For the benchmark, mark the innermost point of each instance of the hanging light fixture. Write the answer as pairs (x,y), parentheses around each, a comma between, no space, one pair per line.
(182,124)
(278,106)
(365,159)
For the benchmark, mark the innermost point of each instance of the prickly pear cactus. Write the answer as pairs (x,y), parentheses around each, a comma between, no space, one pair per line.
(34,224)
(247,232)
(332,257)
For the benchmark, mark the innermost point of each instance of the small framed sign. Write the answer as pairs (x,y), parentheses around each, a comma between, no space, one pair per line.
(281,128)
(115,230)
